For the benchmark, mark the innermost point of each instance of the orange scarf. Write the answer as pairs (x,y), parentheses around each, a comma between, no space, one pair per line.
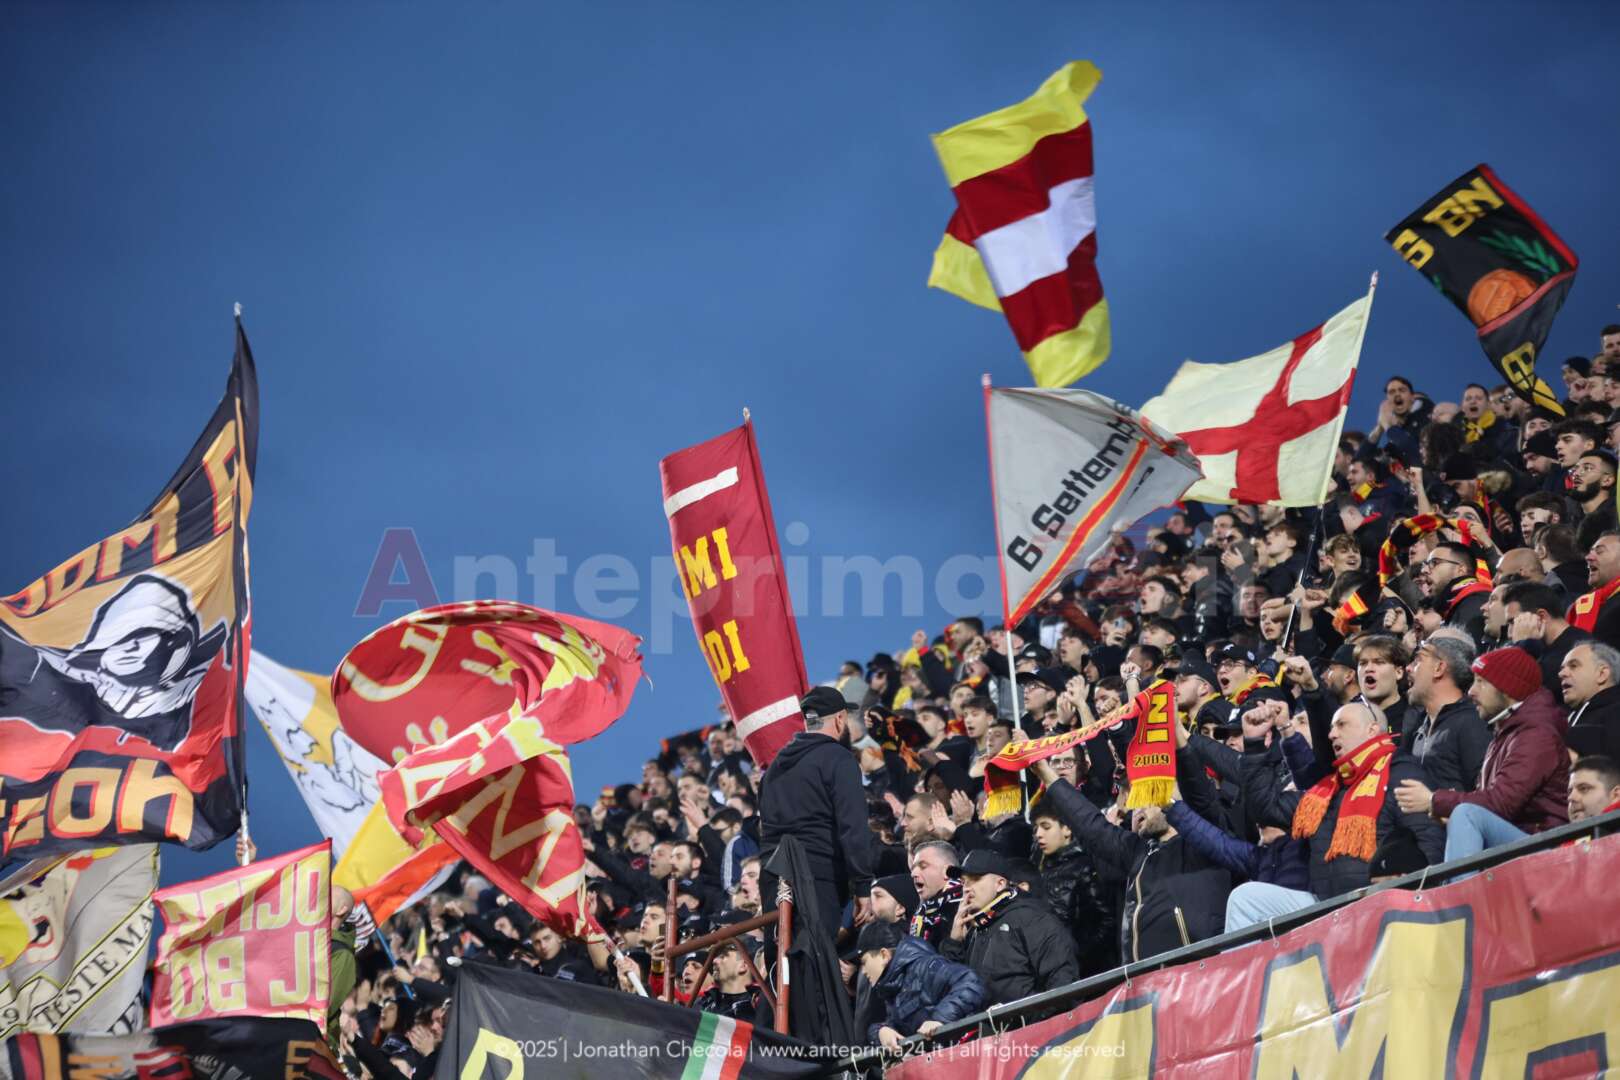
(1364,774)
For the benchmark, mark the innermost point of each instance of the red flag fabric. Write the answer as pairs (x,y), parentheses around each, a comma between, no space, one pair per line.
(475,702)
(252,941)
(730,566)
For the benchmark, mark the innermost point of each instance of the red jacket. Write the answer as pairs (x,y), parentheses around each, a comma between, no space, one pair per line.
(1525,779)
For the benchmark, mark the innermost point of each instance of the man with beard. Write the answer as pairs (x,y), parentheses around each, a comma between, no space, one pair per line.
(1592,486)
(1449,739)
(1596,612)
(813,792)
(1448,577)
(1009,938)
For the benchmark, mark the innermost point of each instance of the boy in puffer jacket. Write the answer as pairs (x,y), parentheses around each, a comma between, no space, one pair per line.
(1075,892)
(915,991)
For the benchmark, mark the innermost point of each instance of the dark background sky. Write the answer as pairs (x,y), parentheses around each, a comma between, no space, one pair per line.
(497,259)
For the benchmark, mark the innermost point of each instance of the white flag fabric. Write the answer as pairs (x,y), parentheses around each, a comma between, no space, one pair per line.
(1265,429)
(74,935)
(1066,468)
(336,775)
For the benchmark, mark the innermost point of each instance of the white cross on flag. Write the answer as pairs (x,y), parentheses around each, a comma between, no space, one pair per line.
(1265,429)
(1066,468)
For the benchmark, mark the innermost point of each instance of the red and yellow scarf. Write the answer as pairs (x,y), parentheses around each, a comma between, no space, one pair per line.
(1583,613)
(1405,533)
(1364,774)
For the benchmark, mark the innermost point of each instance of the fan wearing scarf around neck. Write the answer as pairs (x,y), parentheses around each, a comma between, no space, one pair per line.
(1010,939)
(1344,816)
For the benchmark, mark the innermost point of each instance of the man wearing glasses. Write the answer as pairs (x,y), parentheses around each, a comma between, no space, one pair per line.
(1449,575)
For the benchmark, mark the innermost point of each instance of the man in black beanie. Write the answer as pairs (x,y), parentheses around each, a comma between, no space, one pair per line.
(894,899)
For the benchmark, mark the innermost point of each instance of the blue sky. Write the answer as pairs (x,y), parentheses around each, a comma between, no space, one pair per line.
(497,259)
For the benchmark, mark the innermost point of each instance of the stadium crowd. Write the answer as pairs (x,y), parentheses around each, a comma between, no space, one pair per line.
(1426,668)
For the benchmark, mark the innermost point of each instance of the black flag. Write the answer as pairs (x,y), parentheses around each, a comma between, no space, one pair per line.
(1493,256)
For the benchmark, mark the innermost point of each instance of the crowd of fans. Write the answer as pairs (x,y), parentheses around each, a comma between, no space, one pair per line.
(1427,667)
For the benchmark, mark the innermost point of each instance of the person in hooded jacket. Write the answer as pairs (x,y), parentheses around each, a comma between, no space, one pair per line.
(813,792)
(1174,894)
(914,990)
(1075,891)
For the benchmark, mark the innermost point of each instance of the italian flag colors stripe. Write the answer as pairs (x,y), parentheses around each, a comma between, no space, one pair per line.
(719,1050)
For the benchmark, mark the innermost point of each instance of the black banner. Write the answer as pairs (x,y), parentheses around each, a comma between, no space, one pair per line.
(1492,256)
(211,1050)
(121,669)
(506,1023)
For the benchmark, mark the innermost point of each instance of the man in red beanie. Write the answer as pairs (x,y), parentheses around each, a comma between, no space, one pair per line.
(1524,784)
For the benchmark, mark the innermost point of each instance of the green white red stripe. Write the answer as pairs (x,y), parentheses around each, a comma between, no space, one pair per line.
(719,1050)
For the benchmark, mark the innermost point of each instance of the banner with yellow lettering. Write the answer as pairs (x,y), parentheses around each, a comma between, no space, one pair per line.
(1514,973)
(252,941)
(1492,256)
(121,670)
(730,568)
(241,1049)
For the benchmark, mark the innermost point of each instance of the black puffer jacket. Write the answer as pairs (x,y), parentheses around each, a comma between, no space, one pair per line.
(1271,805)
(1174,895)
(1076,895)
(813,792)
(1024,951)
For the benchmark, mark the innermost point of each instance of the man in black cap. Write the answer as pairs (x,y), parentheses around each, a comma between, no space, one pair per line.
(1041,689)
(1234,667)
(894,899)
(914,990)
(813,792)
(1009,938)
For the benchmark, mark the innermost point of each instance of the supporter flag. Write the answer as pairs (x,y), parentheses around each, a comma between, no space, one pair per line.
(121,669)
(475,703)
(1492,256)
(499,1017)
(1067,468)
(74,934)
(730,568)
(1266,429)
(238,1049)
(338,779)
(251,941)
(1023,238)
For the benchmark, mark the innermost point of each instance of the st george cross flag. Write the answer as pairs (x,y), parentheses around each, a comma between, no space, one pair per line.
(1265,429)
(1066,468)
(1023,239)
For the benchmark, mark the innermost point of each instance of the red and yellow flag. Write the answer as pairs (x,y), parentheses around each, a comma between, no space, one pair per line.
(1023,239)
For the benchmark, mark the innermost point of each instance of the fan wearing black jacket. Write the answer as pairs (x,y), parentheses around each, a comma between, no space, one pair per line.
(1174,894)
(812,791)
(1009,938)
(1075,892)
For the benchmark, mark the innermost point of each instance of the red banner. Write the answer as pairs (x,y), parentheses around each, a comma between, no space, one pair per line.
(730,567)
(248,942)
(1512,973)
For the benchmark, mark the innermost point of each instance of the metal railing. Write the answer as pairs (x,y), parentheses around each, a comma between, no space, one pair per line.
(715,941)
(1051,1002)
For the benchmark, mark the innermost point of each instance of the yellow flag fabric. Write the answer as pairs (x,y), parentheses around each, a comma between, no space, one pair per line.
(988,142)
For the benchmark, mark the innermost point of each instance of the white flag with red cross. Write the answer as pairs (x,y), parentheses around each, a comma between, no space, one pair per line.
(1265,429)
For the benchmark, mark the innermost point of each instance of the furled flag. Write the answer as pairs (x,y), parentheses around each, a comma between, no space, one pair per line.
(1023,239)
(74,934)
(121,669)
(496,1012)
(1066,468)
(475,702)
(251,941)
(1492,256)
(338,779)
(239,1049)
(730,568)
(1266,429)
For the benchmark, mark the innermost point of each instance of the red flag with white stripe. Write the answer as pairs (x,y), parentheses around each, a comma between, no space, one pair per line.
(730,567)
(1265,429)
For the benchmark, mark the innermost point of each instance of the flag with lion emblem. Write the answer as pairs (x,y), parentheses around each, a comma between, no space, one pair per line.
(1486,251)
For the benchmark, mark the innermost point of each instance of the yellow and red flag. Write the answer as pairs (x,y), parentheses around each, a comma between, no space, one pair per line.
(1023,239)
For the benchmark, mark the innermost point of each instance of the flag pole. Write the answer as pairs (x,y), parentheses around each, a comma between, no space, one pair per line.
(1006,621)
(245,849)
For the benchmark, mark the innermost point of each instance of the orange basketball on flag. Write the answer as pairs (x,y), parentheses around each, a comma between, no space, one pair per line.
(1496,294)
